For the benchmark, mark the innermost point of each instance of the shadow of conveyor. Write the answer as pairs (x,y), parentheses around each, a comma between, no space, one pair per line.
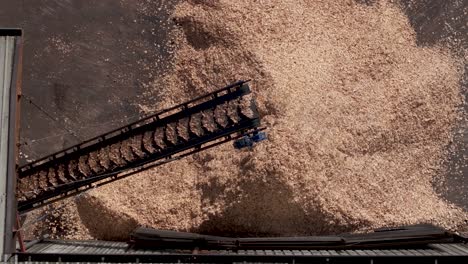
(102,221)
(263,207)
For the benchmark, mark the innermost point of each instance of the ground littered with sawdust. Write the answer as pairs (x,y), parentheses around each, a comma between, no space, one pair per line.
(358,118)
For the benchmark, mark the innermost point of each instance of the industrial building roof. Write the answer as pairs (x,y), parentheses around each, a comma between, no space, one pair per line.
(105,251)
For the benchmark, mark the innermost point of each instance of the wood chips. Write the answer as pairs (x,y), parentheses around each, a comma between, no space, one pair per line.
(358,120)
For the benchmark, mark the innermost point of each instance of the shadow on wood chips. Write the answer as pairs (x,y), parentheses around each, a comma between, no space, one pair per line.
(241,215)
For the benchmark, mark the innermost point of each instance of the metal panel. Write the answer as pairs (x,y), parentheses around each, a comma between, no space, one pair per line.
(452,249)
(10,82)
(6,63)
(51,250)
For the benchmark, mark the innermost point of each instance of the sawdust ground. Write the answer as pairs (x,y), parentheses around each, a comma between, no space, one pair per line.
(358,119)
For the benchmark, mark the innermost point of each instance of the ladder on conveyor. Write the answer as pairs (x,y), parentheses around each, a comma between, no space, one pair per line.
(218,117)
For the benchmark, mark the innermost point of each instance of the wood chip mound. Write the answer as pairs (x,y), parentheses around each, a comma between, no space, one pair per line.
(208,121)
(220,115)
(43,177)
(196,124)
(358,117)
(104,158)
(171,133)
(232,111)
(148,144)
(51,177)
(183,128)
(115,155)
(94,163)
(136,144)
(126,151)
(83,165)
(73,170)
(246,106)
(61,174)
(159,138)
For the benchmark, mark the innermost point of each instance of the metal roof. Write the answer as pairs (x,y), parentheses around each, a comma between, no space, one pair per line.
(105,251)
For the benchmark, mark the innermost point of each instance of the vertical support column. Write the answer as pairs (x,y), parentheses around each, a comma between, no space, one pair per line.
(11,220)
(6,56)
(10,75)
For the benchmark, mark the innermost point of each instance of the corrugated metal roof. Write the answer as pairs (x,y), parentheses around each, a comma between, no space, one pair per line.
(105,251)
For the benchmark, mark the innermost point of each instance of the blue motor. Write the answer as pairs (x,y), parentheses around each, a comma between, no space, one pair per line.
(248,141)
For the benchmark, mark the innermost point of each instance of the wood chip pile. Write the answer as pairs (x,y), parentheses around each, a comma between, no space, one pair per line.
(359,117)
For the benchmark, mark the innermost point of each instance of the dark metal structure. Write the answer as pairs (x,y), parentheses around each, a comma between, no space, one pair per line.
(209,120)
(416,236)
(109,252)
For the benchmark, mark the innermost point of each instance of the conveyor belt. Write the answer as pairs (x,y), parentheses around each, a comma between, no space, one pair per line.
(179,131)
